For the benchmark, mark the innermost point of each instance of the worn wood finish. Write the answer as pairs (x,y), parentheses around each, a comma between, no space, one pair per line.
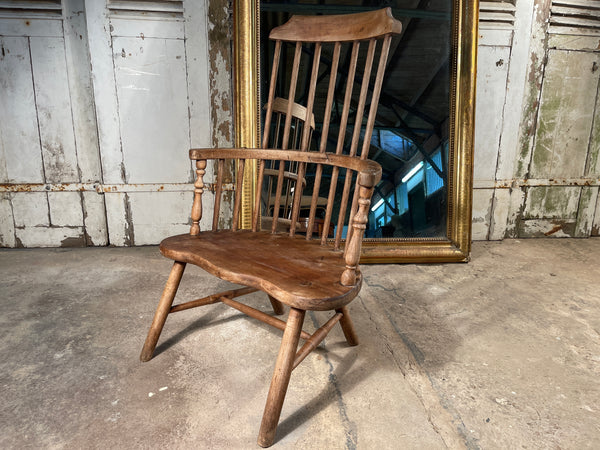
(209,300)
(278,308)
(338,28)
(298,271)
(259,315)
(348,327)
(316,338)
(163,309)
(281,377)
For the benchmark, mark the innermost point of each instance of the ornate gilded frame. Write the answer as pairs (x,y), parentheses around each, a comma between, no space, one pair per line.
(456,246)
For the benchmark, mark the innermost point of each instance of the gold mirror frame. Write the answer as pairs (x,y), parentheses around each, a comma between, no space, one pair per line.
(456,246)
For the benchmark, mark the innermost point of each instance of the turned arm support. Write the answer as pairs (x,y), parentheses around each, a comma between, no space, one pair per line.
(198,190)
(353,246)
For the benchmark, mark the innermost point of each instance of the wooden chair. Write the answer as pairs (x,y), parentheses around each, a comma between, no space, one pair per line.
(302,272)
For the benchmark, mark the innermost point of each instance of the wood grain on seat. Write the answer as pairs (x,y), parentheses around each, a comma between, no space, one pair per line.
(300,273)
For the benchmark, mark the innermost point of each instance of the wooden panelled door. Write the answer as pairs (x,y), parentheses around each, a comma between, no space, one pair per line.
(100,101)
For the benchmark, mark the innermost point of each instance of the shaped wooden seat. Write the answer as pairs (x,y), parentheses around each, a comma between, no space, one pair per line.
(312,271)
(303,274)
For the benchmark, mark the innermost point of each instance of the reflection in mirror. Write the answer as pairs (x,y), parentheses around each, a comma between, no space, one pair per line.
(410,138)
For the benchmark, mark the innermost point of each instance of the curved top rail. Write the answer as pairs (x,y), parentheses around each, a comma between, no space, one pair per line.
(370,171)
(338,28)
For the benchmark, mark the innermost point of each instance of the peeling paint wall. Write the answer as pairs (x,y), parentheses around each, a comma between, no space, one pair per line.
(48,130)
(537,122)
(99,107)
(100,103)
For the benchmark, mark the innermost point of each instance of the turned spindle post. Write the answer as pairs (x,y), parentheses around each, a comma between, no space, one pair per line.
(359,224)
(198,190)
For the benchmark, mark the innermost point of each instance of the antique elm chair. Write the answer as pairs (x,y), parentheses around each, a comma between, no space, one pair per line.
(306,273)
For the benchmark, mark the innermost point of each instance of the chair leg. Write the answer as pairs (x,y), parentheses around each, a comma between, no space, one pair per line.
(277,306)
(162,311)
(348,327)
(281,377)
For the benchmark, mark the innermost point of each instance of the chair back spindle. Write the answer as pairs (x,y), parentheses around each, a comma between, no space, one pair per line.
(340,94)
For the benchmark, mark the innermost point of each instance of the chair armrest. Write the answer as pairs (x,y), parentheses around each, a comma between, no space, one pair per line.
(369,172)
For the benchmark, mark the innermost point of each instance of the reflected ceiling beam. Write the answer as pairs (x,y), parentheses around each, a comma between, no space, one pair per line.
(429,79)
(389,101)
(422,150)
(393,60)
(346,9)
(385,99)
(385,199)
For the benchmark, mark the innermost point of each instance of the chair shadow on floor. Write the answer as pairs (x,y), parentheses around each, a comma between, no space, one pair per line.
(204,322)
(339,382)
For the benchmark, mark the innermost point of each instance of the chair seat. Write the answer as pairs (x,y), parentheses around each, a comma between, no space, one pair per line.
(300,273)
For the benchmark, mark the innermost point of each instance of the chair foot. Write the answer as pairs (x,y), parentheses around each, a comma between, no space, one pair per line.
(162,311)
(281,377)
(278,308)
(348,327)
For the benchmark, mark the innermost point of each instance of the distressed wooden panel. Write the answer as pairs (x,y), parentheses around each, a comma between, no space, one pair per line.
(54,109)
(94,219)
(586,210)
(19,138)
(565,114)
(595,231)
(152,93)
(196,49)
(497,14)
(517,200)
(575,17)
(50,237)
(147,28)
(500,211)
(482,210)
(492,72)
(65,209)
(552,202)
(7,225)
(31,27)
(516,92)
(84,120)
(81,92)
(105,98)
(157,215)
(539,228)
(493,38)
(593,162)
(161,8)
(570,42)
(118,219)
(30,209)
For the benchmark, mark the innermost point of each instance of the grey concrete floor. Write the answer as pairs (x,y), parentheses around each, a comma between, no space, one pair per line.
(503,352)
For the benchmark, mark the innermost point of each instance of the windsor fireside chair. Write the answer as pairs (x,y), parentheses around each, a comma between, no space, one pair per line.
(303,272)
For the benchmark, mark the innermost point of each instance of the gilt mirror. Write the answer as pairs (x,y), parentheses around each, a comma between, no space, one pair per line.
(423,138)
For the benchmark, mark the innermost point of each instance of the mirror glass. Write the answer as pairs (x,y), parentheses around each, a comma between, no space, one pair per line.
(411,135)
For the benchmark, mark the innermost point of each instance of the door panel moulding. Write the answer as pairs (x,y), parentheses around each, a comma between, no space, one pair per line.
(107,188)
(534,182)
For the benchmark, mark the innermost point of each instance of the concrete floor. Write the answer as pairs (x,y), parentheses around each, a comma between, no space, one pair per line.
(503,352)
